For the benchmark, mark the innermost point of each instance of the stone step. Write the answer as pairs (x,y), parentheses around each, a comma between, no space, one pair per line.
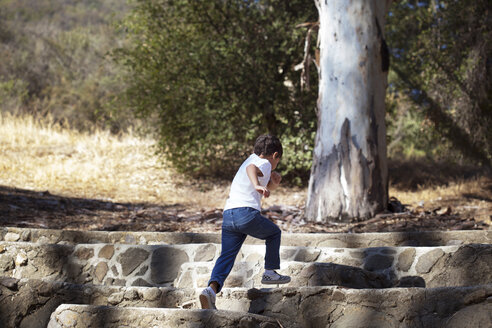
(29,303)
(191,264)
(347,240)
(380,267)
(87,316)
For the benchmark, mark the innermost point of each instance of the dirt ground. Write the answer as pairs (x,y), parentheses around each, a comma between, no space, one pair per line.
(54,177)
(41,209)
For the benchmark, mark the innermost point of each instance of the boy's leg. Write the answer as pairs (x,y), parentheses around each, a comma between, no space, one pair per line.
(231,244)
(262,228)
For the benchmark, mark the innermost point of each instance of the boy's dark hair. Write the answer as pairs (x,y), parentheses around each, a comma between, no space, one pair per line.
(267,145)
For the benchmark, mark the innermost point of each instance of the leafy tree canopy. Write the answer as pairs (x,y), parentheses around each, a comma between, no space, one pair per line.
(213,75)
(442,72)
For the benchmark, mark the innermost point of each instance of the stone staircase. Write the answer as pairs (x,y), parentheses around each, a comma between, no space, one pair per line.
(58,278)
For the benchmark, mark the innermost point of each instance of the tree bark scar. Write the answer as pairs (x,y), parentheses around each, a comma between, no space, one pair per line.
(354,186)
(384,50)
(345,148)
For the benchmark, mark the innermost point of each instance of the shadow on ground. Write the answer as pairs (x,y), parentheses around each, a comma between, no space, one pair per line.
(32,209)
(410,175)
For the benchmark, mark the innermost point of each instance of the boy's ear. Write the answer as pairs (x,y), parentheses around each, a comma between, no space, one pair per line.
(276,155)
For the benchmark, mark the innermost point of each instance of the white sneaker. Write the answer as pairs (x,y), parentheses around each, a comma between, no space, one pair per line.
(274,279)
(207,298)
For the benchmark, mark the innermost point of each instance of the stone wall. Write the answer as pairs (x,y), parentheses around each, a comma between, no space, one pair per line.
(359,240)
(28,303)
(80,316)
(191,264)
(46,270)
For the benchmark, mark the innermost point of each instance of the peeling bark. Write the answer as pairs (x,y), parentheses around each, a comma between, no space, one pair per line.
(349,176)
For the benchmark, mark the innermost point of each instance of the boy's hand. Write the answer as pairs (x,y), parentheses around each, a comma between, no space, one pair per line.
(275,177)
(263,190)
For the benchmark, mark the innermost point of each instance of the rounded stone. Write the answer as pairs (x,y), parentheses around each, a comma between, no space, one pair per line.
(378,262)
(165,264)
(84,253)
(405,259)
(427,261)
(115,270)
(68,318)
(11,236)
(205,253)
(234,281)
(151,294)
(115,298)
(479,315)
(288,254)
(131,259)
(106,252)
(307,255)
(357,254)
(20,259)
(26,235)
(186,280)
(101,270)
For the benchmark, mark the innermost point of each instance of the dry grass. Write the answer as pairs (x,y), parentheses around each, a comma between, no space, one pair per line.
(43,157)
(465,190)
(40,156)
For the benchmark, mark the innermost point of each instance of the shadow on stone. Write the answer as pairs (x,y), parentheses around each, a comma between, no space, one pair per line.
(165,264)
(46,210)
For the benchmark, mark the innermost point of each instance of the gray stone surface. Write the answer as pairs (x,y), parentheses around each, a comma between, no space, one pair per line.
(427,261)
(207,253)
(131,259)
(464,265)
(84,253)
(28,301)
(165,264)
(100,271)
(405,259)
(330,274)
(378,262)
(469,265)
(479,315)
(106,252)
(85,316)
(348,240)
(370,265)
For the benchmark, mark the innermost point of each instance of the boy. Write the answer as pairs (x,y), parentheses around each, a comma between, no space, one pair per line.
(254,179)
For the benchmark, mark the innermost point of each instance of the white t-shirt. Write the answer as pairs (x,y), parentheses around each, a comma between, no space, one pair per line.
(243,193)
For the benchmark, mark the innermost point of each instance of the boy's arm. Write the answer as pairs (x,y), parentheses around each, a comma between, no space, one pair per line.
(253,171)
(275,179)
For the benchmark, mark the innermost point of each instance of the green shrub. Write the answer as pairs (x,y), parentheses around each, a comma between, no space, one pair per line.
(212,76)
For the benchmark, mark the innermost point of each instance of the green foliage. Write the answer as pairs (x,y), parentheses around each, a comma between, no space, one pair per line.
(441,74)
(210,76)
(13,93)
(214,75)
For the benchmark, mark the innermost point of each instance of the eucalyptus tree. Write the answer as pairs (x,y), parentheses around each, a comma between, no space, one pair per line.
(349,177)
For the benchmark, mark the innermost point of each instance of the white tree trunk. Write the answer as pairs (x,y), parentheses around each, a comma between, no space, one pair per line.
(349,177)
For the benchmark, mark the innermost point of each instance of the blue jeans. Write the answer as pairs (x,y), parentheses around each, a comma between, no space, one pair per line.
(236,225)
